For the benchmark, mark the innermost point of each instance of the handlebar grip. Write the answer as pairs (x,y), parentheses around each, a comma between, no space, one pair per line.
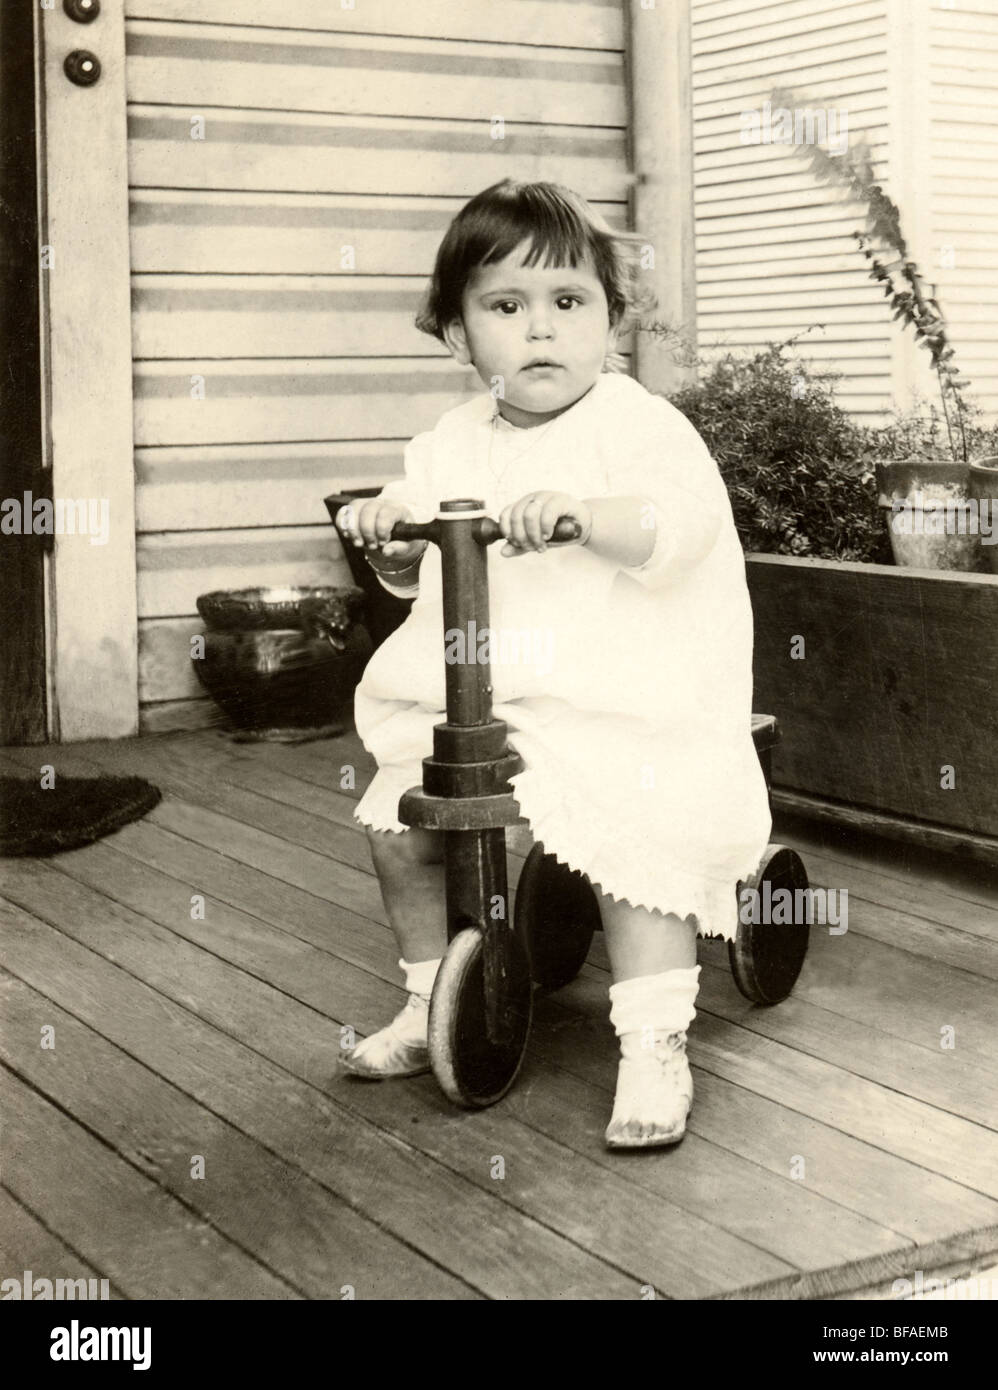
(487,531)
(566,528)
(414,531)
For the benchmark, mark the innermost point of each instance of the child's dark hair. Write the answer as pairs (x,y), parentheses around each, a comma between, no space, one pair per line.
(562,229)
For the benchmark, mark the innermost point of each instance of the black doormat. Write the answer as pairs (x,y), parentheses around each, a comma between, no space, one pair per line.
(75,811)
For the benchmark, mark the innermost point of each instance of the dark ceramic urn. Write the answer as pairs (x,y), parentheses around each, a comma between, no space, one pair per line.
(283,664)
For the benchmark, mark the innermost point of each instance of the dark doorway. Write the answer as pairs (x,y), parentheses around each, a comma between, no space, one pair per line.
(22,613)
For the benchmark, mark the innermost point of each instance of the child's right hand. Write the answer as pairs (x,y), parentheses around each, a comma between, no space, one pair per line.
(370,523)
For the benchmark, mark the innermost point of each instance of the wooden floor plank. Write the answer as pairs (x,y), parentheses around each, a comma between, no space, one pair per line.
(866,989)
(387,961)
(267,833)
(951,875)
(181,772)
(948,1080)
(267,1206)
(129,831)
(939,1142)
(315,979)
(97,1202)
(26,1245)
(945,1079)
(934,885)
(457,1220)
(293,775)
(859,1175)
(911,998)
(297,1039)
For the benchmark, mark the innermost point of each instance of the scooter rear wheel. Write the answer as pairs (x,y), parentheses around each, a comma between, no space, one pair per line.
(766,958)
(470,1070)
(556,913)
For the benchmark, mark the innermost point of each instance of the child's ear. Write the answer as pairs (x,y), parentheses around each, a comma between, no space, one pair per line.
(457,342)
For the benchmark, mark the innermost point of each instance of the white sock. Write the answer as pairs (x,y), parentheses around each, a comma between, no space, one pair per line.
(420,975)
(647,1010)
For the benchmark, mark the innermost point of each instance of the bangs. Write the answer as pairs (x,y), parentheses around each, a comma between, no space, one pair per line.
(554,232)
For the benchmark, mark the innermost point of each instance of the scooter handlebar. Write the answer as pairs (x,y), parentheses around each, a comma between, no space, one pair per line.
(487,531)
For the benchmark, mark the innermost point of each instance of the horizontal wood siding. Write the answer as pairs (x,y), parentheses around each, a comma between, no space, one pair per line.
(775,254)
(963,109)
(277,262)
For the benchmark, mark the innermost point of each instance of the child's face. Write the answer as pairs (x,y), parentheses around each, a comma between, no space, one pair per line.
(514,315)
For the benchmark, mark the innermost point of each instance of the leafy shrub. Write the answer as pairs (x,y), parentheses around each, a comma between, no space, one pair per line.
(799,471)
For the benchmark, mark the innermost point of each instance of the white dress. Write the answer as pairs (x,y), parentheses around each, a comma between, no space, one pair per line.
(627,692)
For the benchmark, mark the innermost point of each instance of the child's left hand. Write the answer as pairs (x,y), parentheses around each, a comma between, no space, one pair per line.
(529,523)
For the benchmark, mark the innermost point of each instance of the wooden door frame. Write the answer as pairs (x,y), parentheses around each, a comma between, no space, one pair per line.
(86,299)
(23,703)
(660,96)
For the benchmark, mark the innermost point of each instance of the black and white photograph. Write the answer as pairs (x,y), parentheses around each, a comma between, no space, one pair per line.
(499,667)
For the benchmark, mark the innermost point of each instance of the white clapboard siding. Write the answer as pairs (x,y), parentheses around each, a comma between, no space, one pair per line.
(174,568)
(261,401)
(292,169)
(776,259)
(199,231)
(586,24)
(297,152)
(214,486)
(345,74)
(963,126)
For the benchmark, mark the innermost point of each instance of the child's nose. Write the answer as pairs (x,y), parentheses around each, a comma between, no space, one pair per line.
(541,324)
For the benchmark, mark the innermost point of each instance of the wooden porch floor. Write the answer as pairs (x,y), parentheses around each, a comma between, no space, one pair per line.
(834,1143)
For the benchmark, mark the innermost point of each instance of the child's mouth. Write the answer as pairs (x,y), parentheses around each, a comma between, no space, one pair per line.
(542,366)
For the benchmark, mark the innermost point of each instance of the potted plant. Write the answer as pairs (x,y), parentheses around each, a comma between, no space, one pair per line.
(881,676)
(926,488)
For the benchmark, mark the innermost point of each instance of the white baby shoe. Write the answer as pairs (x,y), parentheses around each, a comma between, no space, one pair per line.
(397,1050)
(400,1049)
(650,1015)
(654,1091)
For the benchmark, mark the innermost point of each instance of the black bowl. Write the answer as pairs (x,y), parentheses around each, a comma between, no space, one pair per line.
(267,609)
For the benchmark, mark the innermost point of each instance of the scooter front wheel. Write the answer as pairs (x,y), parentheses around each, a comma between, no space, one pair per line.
(470,1069)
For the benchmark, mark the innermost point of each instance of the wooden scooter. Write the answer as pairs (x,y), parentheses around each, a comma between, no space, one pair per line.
(481,1006)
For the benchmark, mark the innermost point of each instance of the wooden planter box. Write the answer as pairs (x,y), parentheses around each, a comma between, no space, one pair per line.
(898,682)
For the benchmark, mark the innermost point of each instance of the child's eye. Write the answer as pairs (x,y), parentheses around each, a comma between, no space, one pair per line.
(572,299)
(505,304)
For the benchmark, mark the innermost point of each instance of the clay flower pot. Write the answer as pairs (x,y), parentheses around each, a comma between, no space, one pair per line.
(984,487)
(931,522)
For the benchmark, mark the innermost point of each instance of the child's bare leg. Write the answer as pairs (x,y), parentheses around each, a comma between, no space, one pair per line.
(410,869)
(410,872)
(653,963)
(640,942)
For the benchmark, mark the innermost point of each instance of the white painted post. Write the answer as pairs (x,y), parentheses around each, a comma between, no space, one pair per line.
(661,98)
(87,302)
(909,178)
